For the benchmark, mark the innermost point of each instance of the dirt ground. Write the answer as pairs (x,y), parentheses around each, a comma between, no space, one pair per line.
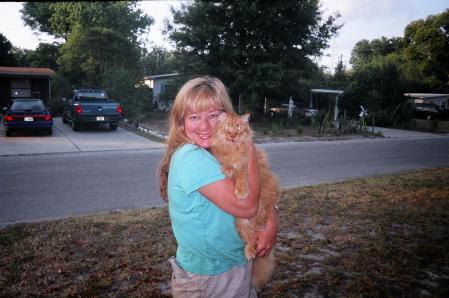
(384,236)
(264,131)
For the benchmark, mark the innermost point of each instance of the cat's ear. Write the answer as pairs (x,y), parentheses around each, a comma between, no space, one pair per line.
(245,117)
(222,117)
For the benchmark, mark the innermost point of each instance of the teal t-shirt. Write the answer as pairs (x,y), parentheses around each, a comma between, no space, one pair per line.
(208,242)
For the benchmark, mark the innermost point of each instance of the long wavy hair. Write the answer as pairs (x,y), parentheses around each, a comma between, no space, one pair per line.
(196,95)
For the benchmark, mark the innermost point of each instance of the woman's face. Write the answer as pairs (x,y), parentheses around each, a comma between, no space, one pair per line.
(198,126)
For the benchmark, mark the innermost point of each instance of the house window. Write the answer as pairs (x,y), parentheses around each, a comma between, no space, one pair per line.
(20,88)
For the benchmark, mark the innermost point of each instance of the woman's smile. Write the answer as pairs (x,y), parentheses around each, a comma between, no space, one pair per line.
(199,126)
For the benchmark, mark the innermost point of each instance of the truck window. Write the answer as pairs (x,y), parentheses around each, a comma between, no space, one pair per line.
(88,96)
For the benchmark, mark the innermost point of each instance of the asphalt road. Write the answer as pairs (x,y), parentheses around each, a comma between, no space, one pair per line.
(86,181)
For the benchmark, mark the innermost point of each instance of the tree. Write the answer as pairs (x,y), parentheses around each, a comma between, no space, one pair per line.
(159,61)
(340,77)
(99,35)
(377,85)
(89,53)
(102,45)
(365,51)
(384,69)
(61,18)
(20,56)
(253,46)
(427,44)
(6,56)
(45,55)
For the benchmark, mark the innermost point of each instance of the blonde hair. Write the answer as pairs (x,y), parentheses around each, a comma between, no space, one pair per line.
(196,95)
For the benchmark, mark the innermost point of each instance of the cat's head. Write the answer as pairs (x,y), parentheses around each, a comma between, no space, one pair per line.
(233,128)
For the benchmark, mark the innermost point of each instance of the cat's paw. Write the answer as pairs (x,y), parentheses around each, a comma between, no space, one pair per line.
(227,171)
(250,252)
(241,194)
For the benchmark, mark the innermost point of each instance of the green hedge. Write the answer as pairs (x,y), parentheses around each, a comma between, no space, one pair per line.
(430,125)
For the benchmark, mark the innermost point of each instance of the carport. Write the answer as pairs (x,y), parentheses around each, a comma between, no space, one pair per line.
(441,100)
(25,82)
(337,94)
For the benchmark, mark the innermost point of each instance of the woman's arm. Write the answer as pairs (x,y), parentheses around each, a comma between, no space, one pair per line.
(266,239)
(221,193)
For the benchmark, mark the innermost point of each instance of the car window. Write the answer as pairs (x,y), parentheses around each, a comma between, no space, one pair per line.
(35,105)
(92,96)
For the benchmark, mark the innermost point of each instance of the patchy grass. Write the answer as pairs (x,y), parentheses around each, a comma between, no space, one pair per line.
(378,237)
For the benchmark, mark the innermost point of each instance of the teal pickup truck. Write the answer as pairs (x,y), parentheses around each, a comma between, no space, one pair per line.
(90,106)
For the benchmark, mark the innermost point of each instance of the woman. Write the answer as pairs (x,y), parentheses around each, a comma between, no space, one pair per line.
(210,259)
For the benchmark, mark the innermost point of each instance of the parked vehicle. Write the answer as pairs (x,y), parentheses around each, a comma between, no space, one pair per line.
(426,111)
(282,109)
(305,112)
(430,111)
(302,111)
(25,114)
(89,106)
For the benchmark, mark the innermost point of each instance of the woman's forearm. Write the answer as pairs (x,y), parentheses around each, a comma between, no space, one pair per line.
(222,193)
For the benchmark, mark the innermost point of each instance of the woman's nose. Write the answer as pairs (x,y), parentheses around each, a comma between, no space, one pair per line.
(204,124)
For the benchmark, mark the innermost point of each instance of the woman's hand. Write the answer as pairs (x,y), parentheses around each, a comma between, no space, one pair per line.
(267,238)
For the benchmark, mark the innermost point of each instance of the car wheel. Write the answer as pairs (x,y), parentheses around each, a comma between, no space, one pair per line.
(50,131)
(113,126)
(75,126)
(8,133)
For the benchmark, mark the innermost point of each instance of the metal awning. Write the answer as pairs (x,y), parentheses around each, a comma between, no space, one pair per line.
(162,76)
(426,95)
(339,92)
(29,72)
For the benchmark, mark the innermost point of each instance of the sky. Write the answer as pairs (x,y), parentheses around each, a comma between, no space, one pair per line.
(361,19)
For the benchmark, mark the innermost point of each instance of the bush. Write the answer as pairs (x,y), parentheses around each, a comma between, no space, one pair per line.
(383,118)
(135,97)
(56,106)
(277,127)
(403,115)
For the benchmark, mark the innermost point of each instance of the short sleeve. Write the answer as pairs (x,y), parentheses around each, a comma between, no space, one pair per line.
(197,168)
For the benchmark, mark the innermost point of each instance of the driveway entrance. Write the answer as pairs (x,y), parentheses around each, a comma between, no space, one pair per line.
(64,139)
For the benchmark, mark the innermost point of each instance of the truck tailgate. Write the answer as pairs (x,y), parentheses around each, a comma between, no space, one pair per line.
(99,108)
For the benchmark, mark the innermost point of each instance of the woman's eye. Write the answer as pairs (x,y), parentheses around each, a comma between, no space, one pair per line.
(193,117)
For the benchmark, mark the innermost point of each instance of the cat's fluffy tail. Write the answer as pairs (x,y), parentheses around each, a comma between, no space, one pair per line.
(262,270)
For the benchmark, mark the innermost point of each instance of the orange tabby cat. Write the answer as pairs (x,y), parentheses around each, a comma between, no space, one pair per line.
(230,145)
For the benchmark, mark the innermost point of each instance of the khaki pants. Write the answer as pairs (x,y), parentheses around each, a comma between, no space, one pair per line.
(234,283)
